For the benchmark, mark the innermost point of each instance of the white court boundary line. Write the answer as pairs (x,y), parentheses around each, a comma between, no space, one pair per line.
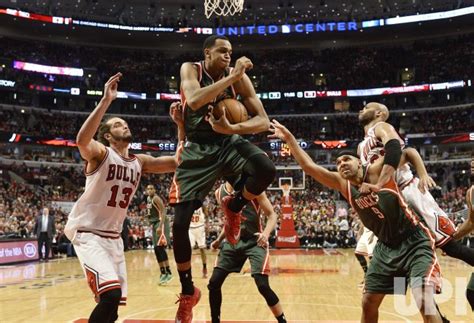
(283,303)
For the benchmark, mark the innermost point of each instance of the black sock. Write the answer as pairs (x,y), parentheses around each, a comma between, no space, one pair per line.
(281,318)
(168,270)
(186,280)
(204,266)
(162,269)
(238,202)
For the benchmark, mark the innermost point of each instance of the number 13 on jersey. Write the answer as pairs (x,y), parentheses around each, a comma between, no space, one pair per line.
(126,191)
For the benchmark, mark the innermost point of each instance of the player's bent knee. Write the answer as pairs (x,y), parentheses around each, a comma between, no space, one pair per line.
(217,279)
(214,284)
(267,170)
(265,290)
(183,214)
(262,173)
(158,253)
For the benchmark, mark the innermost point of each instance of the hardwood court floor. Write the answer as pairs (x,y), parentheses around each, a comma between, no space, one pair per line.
(313,286)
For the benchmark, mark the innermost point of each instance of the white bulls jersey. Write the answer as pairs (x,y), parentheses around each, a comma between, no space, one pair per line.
(198,219)
(102,207)
(371,148)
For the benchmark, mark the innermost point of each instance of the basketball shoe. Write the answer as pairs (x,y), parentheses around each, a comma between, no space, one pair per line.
(186,304)
(162,279)
(169,277)
(232,222)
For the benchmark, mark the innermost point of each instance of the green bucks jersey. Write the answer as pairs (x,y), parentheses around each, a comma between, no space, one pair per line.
(385,213)
(198,129)
(152,210)
(251,215)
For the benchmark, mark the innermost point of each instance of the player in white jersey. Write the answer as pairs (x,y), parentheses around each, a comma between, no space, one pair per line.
(365,248)
(197,235)
(381,139)
(95,222)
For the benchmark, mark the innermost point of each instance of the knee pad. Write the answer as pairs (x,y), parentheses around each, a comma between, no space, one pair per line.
(159,250)
(112,296)
(265,290)
(162,251)
(181,244)
(183,214)
(217,279)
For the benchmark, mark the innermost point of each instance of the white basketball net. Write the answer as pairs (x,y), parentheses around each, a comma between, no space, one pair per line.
(286,190)
(222,7)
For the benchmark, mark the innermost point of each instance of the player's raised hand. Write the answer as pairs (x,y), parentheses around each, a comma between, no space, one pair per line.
(176,113)
(221,125)
(242,65)
(110,88)
(426,183)
(279,131)
(366,188)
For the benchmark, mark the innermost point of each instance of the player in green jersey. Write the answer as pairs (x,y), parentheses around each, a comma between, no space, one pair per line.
(213,149)
(466,228)
(406,248)
(253,245)
(160,224)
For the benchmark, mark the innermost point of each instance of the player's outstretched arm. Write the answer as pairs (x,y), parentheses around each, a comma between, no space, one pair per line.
(414,158)
(468,225)
(389,137)
(197,96)
(272,218)
(321,174)
(88,147)
(158,165)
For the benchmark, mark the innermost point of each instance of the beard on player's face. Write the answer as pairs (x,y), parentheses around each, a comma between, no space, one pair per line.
(122,138)
(366,117)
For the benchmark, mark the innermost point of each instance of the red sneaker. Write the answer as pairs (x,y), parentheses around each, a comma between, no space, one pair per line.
(231,222)
(186,304)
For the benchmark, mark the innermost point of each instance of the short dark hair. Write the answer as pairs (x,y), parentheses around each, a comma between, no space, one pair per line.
(103,129)
(211,41)
(349,152)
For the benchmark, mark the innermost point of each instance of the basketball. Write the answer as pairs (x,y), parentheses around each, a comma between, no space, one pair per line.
(236,112)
